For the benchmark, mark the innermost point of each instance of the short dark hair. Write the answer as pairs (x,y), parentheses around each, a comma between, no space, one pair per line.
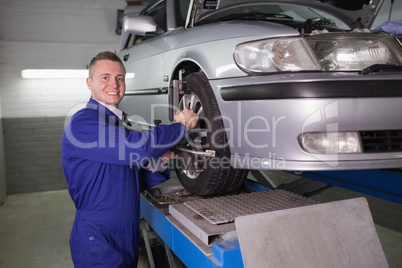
(105,55)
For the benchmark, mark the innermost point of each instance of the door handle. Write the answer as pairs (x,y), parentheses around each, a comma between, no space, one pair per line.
(126,56)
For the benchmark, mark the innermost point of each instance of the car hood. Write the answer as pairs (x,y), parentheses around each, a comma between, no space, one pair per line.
(347,13)
(242,31)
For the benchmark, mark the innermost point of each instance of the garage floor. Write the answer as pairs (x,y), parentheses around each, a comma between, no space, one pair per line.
(35,227)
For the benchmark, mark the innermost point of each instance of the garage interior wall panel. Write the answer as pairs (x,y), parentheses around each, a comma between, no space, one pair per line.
(71,21)
(40,34)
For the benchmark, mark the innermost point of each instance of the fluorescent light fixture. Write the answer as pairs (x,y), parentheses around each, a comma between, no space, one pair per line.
(59,73)
(54,73)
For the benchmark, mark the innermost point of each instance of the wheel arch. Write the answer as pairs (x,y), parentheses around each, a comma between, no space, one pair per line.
(189,67)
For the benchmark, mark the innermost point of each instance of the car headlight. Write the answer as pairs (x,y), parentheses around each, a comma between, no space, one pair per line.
(340,52)
(330,142)
(319,52)
(273,55)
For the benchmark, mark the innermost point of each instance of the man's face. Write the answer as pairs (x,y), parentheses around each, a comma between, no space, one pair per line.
(107,83)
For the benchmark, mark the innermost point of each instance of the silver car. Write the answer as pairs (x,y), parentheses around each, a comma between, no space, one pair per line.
(278,85)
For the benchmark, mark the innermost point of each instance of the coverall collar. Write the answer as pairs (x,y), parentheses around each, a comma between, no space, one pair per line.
(119,113)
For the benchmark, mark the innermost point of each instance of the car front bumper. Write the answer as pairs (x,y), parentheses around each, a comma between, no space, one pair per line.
(264,116)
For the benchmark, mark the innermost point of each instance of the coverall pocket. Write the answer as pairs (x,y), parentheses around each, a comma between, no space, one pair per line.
(99,242)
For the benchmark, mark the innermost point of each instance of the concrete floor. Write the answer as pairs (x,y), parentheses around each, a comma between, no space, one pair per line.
(35,228)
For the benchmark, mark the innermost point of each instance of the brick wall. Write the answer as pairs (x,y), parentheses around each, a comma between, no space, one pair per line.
(3,183)
(33,154)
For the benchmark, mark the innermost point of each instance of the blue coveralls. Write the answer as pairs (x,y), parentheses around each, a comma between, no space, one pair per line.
(100,162)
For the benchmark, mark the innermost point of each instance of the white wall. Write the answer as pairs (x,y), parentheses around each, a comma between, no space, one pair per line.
(43,97)
(51,34)
(38,34)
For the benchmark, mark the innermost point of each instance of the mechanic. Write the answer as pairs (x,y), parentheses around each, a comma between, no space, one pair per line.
(103,180)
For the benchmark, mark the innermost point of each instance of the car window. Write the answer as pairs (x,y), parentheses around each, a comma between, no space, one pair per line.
(158,13)
(181,10)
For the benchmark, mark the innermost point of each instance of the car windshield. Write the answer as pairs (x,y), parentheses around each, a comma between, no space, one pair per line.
(292,15)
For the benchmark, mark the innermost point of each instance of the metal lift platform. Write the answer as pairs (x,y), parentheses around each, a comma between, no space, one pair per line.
(189,248)
(199,237)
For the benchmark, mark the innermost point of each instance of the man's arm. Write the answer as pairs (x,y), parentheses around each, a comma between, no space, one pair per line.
(94,138)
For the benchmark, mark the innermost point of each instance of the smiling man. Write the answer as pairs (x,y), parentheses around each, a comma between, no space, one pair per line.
(103,181)
(106,80)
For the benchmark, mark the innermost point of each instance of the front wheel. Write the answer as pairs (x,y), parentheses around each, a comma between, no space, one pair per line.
(198,173)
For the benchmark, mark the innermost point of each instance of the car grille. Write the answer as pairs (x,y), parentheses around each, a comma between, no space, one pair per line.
(381,141)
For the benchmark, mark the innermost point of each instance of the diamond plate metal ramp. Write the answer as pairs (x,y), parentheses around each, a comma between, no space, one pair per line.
(225,209)
(336,234)
(211,219)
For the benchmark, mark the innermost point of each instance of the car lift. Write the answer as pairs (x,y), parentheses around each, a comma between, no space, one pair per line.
(192,252)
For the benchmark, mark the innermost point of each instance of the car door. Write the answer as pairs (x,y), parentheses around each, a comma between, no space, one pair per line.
(146,91)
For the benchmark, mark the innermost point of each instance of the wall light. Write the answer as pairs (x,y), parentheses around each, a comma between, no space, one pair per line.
(54,73)
(59,73)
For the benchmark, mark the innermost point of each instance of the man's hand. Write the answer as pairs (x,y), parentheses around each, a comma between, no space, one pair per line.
(186,117)
(167,156)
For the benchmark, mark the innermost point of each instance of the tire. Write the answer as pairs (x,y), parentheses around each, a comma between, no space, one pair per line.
(199,174)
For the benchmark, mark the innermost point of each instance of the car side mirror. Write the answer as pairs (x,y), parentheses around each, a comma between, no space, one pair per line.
(141,25)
